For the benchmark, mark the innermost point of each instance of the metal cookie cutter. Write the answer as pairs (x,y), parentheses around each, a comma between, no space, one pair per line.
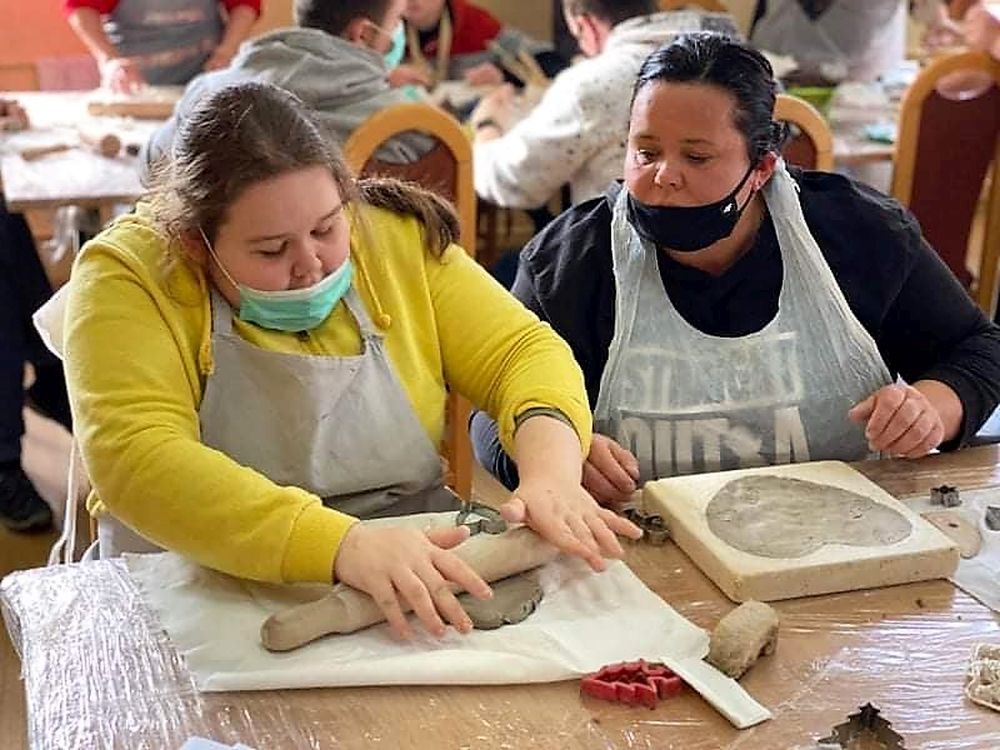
(945,495)
(864,729)
(992,518)
(481,519)
(632,683)
(654,528)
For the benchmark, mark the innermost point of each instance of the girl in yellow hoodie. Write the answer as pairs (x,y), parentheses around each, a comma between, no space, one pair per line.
(257,357)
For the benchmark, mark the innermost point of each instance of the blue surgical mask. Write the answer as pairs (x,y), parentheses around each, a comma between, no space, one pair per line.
(395,54)
(290,310)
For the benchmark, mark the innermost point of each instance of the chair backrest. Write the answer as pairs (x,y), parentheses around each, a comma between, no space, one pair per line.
(811,146)
(447,170)
(949,123)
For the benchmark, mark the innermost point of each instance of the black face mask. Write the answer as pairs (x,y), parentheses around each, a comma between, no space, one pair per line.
(688,228)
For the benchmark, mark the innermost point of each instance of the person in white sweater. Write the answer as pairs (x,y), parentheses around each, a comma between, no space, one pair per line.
(574,134)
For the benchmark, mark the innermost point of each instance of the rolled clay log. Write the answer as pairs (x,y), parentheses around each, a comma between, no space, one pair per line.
(101,142)
(741,637)
(346,610)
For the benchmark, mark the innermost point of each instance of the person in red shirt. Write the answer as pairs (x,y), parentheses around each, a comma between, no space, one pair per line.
(161,42)
(451,39)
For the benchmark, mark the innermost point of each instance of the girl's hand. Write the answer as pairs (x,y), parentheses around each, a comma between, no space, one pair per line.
(900,420)
(567,516)
(404,568)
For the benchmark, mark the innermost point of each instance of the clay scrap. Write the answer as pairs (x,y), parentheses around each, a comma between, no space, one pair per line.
(743,636)
(983,678)
(514,599)
(954,525)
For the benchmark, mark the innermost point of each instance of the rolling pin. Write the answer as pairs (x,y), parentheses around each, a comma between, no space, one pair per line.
(105,144)
(101,141)
(345,609)
(30,153)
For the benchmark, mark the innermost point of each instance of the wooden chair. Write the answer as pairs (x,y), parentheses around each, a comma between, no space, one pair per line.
(812,146)
(447,170)
(948,142)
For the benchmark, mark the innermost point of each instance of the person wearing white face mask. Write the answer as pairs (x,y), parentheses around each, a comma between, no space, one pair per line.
(336,61)
(258,357)
(729,312)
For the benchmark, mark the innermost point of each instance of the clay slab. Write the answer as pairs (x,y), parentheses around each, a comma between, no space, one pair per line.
(923,554)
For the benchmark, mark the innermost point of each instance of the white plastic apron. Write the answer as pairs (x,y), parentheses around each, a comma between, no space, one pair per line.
(171,39)
(686,402)
(868,36)
(339,427)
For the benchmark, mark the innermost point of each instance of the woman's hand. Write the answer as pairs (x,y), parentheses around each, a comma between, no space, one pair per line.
(405,566)
(484,74)
(122,75)
(611,472)
(569,518)
(901,420)
(498,105)
(220,58)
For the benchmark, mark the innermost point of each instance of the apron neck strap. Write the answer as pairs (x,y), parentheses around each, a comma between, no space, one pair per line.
(222,312)
(357,308)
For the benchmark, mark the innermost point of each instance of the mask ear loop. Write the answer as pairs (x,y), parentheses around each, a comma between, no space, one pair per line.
(211,251)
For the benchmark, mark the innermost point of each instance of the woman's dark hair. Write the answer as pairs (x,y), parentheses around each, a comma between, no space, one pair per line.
(719,60)
(250,132)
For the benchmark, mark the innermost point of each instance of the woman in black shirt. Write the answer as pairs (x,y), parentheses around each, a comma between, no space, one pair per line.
(728,312)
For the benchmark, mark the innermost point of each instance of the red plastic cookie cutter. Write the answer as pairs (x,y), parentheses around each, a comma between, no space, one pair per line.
(632,682)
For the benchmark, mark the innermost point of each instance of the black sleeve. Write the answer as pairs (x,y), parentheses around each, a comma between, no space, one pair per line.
(489,452)
(932,330)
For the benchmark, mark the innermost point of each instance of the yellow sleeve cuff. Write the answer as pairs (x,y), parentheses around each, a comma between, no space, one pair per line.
(313,544)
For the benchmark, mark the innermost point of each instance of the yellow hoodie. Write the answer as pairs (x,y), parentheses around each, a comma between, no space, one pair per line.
(137,350)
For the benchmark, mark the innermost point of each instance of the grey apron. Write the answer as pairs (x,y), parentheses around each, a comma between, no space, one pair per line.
(686,402)
(340,427)
(171,39)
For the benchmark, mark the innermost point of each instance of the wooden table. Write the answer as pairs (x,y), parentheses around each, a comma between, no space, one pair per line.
(75,176)
(905,649)
(851,146)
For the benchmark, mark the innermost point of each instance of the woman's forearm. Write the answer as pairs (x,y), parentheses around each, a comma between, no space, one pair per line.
(241,20)
(947,404)
(86,22)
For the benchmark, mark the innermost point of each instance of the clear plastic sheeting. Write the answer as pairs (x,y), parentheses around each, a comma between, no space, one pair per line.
(100,673)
